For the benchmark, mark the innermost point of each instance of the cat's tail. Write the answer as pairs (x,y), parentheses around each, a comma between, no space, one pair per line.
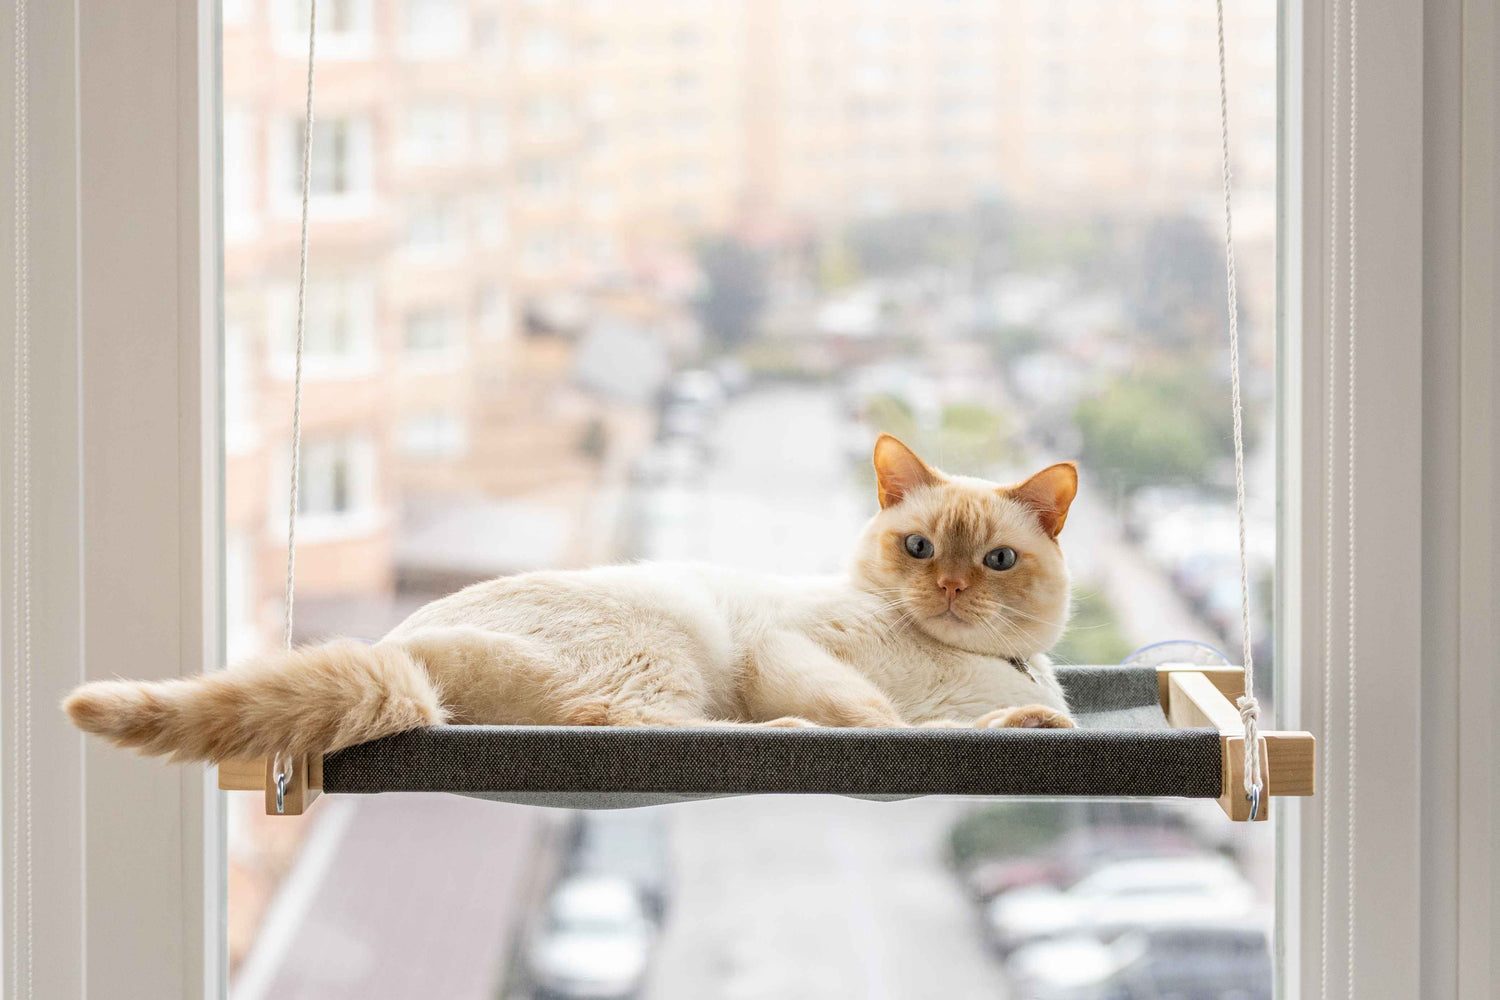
(304,701)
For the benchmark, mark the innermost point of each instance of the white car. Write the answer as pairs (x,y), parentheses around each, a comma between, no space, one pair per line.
(1189,955)
(1119,896)
(594,944)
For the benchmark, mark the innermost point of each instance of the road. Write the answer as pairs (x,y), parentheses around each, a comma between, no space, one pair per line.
(791,897)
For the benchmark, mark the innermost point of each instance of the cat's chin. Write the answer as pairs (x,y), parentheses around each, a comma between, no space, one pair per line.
(952,629)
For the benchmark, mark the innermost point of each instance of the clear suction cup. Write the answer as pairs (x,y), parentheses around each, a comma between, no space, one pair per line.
(1199,654)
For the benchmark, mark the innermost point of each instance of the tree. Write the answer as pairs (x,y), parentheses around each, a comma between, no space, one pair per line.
(736,291)
(1179,295)
(1163,429)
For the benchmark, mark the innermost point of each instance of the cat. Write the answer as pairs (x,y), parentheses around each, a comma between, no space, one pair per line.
(957,590)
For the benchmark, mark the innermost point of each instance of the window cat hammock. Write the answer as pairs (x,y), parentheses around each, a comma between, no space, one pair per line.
(1175,730)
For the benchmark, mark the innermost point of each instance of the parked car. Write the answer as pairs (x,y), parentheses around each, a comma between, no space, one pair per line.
(594,942)
(1118,897)
(1076,854)
(625,843)
(1189,956)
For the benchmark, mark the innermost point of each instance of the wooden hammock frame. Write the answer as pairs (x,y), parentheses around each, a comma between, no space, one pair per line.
(1192,697)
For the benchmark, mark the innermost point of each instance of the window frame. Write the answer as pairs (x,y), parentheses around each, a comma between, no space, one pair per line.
(124,118)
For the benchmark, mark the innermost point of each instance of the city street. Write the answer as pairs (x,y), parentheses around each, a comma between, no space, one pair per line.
(813,898)
(787,897)
(773,897)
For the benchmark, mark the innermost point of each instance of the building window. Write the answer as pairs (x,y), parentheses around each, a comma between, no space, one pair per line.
(542,48)
(433,337)
(339,333)
(490,39)
(440,434)
(343,175)
(493,135)
(493,313)
(436,134)
(240,220)
(346,28)
(435,29)
(434,231)
(545,115)
(542,181)
(336,487)
(491,225)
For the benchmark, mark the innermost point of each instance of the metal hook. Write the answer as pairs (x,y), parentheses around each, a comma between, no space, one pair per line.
(283,777)
(1254,797)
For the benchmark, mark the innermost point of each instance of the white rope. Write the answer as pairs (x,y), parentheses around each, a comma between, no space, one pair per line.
(284,763)
(1351,441)
(291,514)
(1248,705)
(22,892)
(1352,594)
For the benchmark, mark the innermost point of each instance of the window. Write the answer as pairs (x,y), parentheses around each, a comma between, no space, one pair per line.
(437,435)
(492,131)
(436,134)
(346,28)
(339,334)
(336,491)
(491,227)
(434,232)
(580,348)
(494,313)
(433,336)
(435,29)
(542,48)
(343,169)
(161,901)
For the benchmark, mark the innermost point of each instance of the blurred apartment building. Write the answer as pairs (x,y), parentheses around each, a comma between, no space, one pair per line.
(505,193)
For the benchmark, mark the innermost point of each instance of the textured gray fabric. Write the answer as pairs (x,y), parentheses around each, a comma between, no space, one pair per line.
(1123,748)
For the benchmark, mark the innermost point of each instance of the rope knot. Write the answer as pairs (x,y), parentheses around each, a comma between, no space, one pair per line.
(1249,709)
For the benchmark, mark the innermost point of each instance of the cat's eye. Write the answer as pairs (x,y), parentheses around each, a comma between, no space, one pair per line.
(919,546)
(1002,558)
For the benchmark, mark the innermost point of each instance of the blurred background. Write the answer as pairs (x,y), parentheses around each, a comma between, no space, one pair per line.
(596,281)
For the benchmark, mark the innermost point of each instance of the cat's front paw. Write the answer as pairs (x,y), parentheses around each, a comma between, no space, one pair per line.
(1025,717)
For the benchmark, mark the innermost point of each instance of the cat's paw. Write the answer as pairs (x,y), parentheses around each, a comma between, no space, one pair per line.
(1025,717)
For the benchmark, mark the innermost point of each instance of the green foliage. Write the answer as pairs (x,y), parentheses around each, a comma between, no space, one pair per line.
(968,438)
(1006,829)
(736,292)
(1092,635)
(1165,428)
(1178,295)
(1007,343)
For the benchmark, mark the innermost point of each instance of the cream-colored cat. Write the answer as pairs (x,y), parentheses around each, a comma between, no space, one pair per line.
(957,590)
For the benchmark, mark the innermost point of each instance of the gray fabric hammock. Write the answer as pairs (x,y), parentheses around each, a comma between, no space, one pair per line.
(1124,747)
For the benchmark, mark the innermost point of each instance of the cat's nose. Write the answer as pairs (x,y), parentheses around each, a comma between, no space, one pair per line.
(952,585)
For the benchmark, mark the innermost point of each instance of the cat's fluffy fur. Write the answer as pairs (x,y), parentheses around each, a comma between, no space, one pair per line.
(941,640)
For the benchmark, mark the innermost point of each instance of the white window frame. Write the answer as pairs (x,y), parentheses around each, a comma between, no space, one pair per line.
(127,854)
(1427,906)
(289,29)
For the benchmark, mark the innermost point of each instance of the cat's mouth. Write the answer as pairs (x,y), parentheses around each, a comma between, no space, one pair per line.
(950,616)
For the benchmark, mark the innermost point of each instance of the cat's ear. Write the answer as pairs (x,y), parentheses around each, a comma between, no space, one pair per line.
(1050,493)
(898,470)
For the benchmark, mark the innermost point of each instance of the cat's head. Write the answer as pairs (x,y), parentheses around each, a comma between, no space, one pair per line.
(972,563)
